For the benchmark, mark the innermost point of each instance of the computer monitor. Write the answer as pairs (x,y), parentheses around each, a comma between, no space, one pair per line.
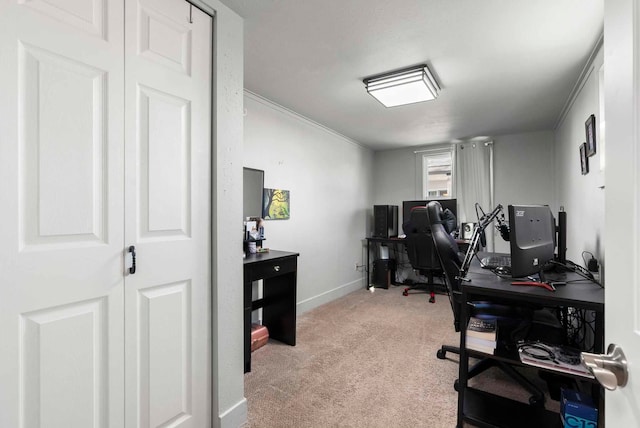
(532,238)
(446,203)
(252,187)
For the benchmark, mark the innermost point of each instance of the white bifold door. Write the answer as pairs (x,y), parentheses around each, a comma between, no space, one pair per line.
(105,138)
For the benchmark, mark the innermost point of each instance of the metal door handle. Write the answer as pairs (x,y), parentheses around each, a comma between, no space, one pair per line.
(276,268)
(610,369)
(132,250)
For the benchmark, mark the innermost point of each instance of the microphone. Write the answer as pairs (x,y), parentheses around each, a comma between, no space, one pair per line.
(504,231)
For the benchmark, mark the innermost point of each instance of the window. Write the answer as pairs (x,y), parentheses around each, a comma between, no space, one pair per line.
(437,175)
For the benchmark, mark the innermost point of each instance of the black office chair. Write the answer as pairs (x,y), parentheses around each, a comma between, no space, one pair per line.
(421,251)
(525,323)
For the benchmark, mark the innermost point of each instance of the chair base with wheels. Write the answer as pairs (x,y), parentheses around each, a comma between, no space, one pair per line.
(428,286)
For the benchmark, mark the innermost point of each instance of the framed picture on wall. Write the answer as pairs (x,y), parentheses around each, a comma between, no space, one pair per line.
(275,204)
(584,160)
(590,129)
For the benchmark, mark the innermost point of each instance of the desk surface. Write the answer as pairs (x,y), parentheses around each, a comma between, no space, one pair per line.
(265,257)
(400,240)
(578,292)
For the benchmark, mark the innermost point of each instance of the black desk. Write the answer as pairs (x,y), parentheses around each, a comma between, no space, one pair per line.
(462,244)
(487,410)
(278,270)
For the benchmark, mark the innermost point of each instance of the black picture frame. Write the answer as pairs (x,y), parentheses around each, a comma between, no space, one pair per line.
(584,159)
(590,131)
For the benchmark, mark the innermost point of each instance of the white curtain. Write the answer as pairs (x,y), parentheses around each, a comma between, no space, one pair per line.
(474,182)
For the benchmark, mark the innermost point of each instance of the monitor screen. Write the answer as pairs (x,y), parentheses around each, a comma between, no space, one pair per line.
(252,186)
(446,203)
(532,238)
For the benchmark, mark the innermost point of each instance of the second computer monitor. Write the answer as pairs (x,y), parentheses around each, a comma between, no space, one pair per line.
(532,238)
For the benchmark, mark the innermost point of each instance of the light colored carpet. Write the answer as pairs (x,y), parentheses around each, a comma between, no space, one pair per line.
(365,360)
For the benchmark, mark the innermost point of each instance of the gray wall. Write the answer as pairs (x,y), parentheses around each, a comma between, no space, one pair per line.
(329,179)
(581,195)
(523,173)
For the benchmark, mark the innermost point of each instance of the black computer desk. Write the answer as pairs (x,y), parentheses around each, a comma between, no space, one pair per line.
(487,410)
(395,241)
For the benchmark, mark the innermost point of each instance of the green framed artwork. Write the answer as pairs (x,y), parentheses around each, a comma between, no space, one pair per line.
(275,204)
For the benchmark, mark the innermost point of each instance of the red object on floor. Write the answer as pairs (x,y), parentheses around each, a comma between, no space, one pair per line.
(259,336)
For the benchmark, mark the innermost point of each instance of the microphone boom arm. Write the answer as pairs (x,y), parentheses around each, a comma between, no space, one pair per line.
(484,221)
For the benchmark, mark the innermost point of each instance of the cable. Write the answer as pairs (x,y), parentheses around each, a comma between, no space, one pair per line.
(538,351)
(585,260)
(571,266)
(580,325)
(482,265)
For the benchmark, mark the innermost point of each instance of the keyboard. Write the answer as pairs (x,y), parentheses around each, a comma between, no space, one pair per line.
(493,262)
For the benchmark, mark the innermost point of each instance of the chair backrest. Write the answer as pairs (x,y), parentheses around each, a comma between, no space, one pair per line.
(448,254)
(418,241)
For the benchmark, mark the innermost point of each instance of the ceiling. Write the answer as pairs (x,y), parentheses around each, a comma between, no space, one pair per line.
(504,66)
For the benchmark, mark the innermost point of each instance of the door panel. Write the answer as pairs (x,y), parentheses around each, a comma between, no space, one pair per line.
(167,143)
(164,40)
(165,330)
(165,185)
(65,349)
(61,223)
(62,114)
(86,15)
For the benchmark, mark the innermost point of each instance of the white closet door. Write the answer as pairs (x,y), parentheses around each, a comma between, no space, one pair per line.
(167,128)
(61,222)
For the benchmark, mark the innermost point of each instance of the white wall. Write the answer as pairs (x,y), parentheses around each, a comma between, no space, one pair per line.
(523,166)
(581,195)
(229,407)
(329,178)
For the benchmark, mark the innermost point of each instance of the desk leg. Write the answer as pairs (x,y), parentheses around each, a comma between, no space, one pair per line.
(368,284)
(279,314)
(464,359)
(598,342)
(247,325)
(597,391)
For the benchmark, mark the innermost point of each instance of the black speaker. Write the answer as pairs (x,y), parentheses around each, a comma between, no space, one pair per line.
(467,230)
(384,273)
(385,221)
(562,236)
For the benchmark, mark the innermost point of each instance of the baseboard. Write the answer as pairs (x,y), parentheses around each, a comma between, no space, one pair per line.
(234,417)
(328,296)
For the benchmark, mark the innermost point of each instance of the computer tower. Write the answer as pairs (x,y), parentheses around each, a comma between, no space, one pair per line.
(384,273)
(385,221)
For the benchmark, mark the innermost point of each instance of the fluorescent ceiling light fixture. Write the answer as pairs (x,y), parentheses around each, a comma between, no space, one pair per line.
(406,86)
